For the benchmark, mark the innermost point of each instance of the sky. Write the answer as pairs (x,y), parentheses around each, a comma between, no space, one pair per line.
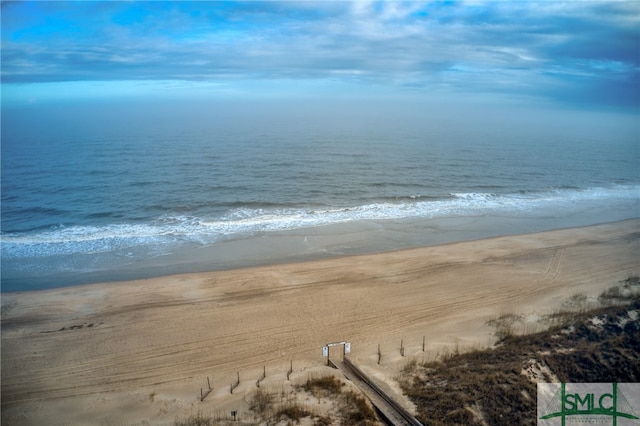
(574,55)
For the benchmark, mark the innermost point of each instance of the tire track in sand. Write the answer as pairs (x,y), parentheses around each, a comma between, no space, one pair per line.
(554,266)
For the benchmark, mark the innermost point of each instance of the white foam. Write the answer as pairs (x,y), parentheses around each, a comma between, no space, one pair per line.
(167,232)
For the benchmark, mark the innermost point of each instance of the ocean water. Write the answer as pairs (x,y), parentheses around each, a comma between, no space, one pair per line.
(87,200)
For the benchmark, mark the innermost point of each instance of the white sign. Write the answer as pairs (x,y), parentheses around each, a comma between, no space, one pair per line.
(325,351)
(347,347)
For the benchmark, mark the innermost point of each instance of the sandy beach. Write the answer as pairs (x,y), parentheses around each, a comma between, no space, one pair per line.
(139,352)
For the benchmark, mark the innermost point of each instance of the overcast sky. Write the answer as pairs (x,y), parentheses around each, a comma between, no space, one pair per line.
(578,54)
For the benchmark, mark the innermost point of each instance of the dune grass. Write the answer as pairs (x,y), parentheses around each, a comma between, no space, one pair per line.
(490,387)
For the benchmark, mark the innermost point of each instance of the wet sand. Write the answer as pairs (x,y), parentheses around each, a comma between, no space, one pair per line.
(140,351)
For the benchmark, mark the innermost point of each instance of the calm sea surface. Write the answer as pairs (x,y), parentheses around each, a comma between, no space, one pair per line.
(80,198)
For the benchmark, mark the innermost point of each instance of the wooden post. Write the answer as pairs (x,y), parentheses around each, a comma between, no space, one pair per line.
(401,348)
(236,384)
(264,375)
(379,354)
(290,370)
(204,394)
(423,343)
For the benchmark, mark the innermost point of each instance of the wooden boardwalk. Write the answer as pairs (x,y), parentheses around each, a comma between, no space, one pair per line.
(392,412)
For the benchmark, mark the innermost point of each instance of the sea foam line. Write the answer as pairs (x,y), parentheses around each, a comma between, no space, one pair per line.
(175,230)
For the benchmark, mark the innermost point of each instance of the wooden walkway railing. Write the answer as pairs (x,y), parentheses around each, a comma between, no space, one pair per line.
(392,412)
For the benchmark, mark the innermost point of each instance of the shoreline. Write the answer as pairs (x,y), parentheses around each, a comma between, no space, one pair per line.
(144,348)
(308,245)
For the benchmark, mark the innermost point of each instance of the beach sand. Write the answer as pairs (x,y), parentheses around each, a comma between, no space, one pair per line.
(139,352)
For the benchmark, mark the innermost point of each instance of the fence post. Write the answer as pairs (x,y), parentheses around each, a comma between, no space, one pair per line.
(423,343)
(236,384)
(379,354)
(264,375)
(204,394)
(401,348)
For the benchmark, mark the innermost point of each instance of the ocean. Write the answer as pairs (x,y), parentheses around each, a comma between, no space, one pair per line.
(133,196)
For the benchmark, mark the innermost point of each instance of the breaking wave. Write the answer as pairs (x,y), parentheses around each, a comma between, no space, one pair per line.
(166,233)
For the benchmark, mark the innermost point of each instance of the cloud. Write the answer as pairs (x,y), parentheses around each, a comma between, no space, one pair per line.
(584,52)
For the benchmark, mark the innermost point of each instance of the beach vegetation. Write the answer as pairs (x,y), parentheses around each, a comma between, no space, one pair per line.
(261,402)
(505,325)
(355,410)
(327,385)
(620,293)
(294,411)
(497,386)
(347,407)
(197,419)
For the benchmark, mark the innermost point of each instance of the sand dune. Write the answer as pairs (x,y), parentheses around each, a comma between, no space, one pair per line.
(140,351)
